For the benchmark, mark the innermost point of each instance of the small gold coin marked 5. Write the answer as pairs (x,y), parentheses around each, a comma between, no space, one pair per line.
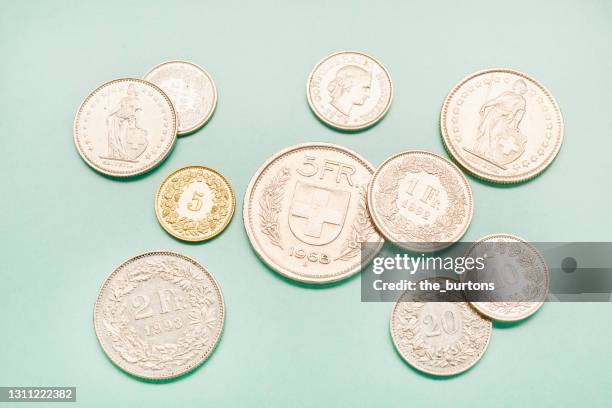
(195,203)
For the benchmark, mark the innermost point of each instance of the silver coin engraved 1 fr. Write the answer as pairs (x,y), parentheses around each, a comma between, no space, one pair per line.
(191,90)
(420,201)
(519,272)
(159,315)
(439,333)
(502,125)
(125,127)
(349,90)
(306,215)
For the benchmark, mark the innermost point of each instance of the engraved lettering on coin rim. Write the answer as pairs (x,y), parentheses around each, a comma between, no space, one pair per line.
(186,229)
(390,177)
(250,228)
(517,309)
(365,125)
(119,173)
(213,106)
(170,373)
(452,151)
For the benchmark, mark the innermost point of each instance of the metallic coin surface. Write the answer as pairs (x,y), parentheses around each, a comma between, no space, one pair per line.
(349,90)
(519,272)
(195,203)
(438,337)
(501,125)
(305,213)
(420,201)
(125,127)
(191,90)
(159,315)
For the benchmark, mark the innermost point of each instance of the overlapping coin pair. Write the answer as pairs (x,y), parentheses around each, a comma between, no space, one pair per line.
(310,207)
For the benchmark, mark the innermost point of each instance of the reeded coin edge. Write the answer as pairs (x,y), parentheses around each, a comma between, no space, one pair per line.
(386,234)
(450,149)
(345,127)
(175,373)
(220,229)
(537,305)
(416,365)
(136,172)
(206,118)
(257,247)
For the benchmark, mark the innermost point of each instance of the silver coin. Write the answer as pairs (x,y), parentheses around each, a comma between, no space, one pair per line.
(502,125)
(420,201)
(519,272)
(305,213)
(349,90)
(159,315)
(438,337)
(191,90)
(125,127)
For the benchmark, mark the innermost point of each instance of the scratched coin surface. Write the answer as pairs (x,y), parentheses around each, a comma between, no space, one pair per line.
(191,90)
(439,333)
(195,203)
(420,201)
(502,125)
(519,272)
(159,315)
(125,127)
(349,90)
(305,213)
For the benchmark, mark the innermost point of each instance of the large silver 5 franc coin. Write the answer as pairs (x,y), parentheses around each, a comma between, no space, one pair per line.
(306,216)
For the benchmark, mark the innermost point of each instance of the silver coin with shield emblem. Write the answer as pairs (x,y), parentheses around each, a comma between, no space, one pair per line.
(306,216)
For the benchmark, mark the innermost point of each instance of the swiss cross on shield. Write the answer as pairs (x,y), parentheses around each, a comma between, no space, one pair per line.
(317,214)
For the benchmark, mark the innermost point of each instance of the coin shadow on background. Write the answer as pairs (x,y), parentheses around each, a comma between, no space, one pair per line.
(427,375)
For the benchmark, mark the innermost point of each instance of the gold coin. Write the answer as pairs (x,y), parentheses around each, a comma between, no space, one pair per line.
(195,203)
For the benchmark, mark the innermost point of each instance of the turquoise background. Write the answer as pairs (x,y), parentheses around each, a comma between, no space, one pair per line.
(65,227)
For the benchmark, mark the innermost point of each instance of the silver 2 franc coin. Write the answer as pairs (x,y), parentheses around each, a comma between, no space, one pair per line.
(125,127)
(502,125)
(159,315)
(306,216)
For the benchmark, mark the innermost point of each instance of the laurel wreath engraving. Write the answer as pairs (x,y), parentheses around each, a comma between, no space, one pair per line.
(534,288)
(202,317)
(270,205)
(387,195)
(192,112)
(474,335)
(361,229)
(206,226)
